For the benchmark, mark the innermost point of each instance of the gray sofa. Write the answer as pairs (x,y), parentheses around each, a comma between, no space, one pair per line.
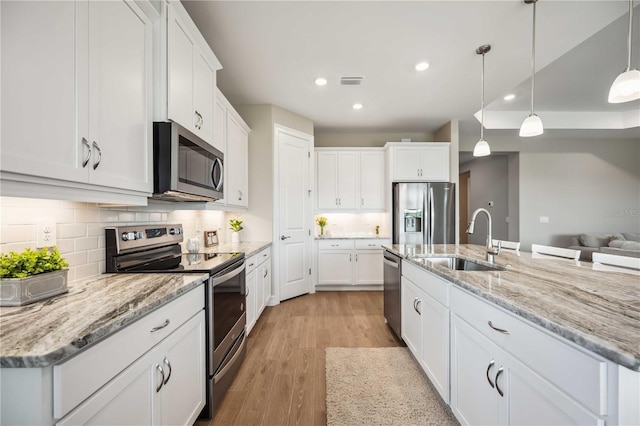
(623,244)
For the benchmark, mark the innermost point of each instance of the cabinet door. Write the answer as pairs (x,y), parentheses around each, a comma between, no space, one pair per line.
(435,344)
(204,81)
(434,163)
(372,180)
(127,399)
(181,49)
(39,80)
(182,357)
(369,267)
(220,125)
(335,267)
(236,164)
(251,282)
(410,298)
(348,177)
(266,284)
(262,275)
(327,179)
(406,163)
(119,117)
(473,364)
(534,401)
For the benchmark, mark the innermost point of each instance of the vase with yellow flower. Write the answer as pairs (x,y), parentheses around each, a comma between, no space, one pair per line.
(322,222)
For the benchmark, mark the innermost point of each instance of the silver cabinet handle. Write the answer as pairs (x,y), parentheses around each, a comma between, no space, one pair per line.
(247,293)
(416,303)
(501,330)
(500,371)
(284,237)
(159,368)
(362,202)
(166,362)
(491,364)
(97,148)
(349,257)
(239,195)
(356,257)
(339,201)
(160,327)
(250,265)
(199,120)
(86,159)
(266,272)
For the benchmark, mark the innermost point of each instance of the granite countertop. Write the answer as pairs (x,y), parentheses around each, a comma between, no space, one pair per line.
(249,248)
(594,308)
(347,237)
(45,332)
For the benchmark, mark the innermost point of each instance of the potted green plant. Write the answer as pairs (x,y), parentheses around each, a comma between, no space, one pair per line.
(236,227)
(31,276)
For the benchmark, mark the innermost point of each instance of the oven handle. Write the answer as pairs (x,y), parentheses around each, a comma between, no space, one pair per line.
(219,279)
(231,362)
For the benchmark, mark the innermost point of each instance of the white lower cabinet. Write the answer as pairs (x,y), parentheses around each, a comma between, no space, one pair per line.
(165,386)
(258,281)
(349,262)
(425,323)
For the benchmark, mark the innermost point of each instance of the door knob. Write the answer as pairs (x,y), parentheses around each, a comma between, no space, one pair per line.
(282,237)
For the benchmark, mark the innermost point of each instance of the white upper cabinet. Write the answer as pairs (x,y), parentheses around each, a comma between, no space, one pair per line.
(231,136)
(350,179)
(190,78)
(67,114)
(419,161)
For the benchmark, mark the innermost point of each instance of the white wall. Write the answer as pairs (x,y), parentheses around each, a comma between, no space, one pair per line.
(586,185)
(489,182)
(80,227)
(366,139)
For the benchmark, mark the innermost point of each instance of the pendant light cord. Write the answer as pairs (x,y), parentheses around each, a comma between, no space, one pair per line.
(629,35)
(533,56)
(482,104)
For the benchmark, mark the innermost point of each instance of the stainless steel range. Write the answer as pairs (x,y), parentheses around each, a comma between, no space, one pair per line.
(156,248)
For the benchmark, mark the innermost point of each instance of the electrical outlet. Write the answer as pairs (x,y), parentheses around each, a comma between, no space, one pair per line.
(46,234)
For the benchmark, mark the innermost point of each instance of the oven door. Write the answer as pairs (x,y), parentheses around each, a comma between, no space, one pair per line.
(226,312)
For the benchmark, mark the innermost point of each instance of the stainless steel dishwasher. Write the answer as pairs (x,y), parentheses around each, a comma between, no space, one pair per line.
(392,274)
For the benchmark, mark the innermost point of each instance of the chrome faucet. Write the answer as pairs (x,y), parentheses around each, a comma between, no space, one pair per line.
(472,224)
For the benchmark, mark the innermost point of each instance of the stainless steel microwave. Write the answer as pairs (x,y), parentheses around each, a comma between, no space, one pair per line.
(185,167)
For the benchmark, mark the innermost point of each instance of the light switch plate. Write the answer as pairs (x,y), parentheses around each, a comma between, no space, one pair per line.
(544,219)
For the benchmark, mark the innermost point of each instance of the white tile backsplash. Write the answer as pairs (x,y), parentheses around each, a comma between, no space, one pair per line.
(354,224)
(80,227)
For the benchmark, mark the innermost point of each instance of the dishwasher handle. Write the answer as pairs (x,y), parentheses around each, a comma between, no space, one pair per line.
(390,263)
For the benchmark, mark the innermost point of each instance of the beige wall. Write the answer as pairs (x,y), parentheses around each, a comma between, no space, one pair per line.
(365,139)
(580,185)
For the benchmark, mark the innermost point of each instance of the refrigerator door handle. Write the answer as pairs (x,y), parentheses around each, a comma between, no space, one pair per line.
(426,209)
(432,214)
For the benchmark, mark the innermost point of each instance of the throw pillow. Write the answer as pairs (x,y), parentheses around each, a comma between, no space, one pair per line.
(626,245)
(632,237)
(595,240)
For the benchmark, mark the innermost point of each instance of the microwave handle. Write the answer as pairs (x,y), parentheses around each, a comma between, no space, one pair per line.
(217,186)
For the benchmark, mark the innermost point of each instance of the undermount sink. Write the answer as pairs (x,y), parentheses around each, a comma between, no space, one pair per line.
(460,264)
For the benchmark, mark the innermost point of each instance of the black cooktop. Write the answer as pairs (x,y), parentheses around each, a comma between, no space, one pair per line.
(210,263)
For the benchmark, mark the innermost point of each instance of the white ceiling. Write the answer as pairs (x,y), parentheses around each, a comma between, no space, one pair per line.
(271,53)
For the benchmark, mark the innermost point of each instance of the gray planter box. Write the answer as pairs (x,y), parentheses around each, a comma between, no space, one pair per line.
(22,291)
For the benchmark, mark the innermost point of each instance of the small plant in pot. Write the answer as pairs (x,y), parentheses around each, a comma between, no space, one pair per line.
(236,227)
(31,276)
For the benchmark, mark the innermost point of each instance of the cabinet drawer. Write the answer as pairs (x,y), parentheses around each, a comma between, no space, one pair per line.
(264,254)
(370,244)
(575,372)
(431,284)
(72,384)
(251,263)
(335,245)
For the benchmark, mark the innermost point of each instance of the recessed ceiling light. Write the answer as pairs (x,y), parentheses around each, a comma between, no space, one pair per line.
(421,66)
(510,97)
(321,81)
(357,106)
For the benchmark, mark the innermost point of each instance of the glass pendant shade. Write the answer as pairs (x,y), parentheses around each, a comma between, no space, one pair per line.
(625,88)
(531,126)
(481,149)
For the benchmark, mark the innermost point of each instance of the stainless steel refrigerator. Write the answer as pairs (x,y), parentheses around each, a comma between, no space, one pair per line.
(424,213)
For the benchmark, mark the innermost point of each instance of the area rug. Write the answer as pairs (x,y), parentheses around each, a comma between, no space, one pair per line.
(380,386)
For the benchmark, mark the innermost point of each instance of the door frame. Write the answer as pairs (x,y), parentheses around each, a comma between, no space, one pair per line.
(276,255)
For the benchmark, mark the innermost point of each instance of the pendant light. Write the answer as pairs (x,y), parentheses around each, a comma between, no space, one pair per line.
(626,87)
(482,148)
(532,125)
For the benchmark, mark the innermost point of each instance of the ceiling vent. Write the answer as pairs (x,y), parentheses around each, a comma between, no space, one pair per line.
(350,81)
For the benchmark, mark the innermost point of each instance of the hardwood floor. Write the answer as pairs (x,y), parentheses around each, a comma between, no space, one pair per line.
(282,380)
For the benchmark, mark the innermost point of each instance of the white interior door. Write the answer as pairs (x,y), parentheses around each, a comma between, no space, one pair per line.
(294,212)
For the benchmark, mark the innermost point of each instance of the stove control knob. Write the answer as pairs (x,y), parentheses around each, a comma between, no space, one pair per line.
(175,231)
(138,235)
(128,236)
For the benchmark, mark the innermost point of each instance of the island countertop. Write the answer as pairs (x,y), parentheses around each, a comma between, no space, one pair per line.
(596,309)
(45,332)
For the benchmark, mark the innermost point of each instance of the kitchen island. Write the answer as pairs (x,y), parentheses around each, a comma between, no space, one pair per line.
(574,327)
(87,351)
